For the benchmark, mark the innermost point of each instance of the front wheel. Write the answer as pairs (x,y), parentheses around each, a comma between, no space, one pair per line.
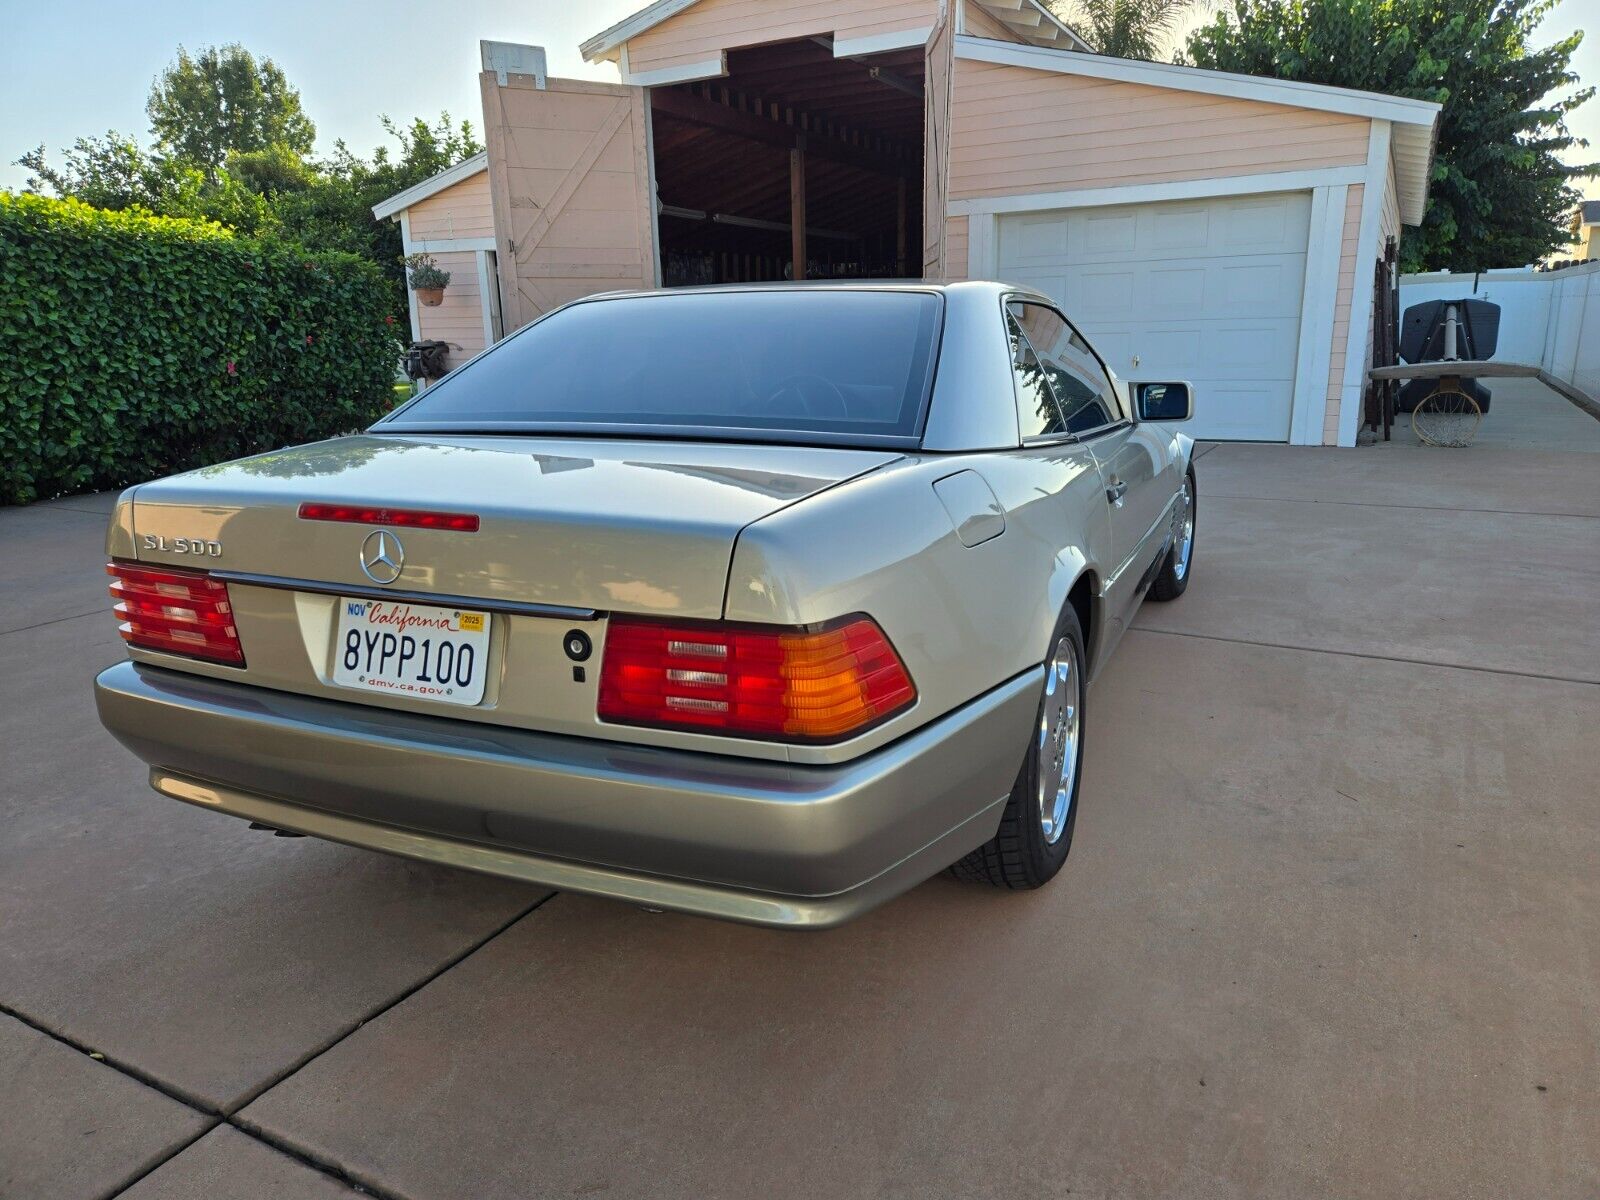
(1036,827)
(1173,579)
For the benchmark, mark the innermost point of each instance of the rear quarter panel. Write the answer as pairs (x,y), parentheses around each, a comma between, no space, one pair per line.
(964,618)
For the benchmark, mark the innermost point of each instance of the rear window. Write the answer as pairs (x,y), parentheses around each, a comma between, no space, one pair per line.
(825,365)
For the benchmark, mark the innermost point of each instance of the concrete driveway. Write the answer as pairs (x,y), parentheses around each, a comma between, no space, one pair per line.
(1331,925)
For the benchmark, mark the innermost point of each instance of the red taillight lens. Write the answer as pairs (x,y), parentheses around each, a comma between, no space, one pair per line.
(176,612)
(785,684)
(408,518)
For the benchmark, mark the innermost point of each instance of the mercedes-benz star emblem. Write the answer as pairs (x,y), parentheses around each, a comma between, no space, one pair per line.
(382,556)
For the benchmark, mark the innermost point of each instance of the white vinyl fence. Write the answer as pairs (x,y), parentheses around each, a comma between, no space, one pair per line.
(1548,318)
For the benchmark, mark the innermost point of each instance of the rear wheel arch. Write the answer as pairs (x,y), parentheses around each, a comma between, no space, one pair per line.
(1075,582)
(1085,600)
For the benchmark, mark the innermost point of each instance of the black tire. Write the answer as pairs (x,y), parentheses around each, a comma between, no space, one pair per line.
(1022,855)
(1173,579)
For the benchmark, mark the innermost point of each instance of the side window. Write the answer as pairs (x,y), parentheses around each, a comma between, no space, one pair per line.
(1037,412)
(1081,402)
(1080,386)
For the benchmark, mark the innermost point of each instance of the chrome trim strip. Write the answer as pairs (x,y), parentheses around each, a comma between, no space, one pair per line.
(515,607)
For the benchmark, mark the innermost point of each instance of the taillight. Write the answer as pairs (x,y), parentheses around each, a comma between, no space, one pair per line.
(771,682)
(176,612)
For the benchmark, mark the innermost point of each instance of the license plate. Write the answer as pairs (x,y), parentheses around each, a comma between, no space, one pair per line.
(412,650)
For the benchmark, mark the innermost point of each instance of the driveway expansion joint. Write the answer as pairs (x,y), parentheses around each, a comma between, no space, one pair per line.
(1394,658)
(230,1114)
(1448,508)
(94,612)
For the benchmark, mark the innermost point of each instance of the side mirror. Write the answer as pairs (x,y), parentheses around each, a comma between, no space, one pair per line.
(1163,401)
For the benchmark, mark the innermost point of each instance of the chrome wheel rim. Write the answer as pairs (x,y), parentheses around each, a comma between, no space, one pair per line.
(1185,546)
(1058,740)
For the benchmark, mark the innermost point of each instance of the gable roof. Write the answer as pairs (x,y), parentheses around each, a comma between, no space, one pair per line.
(1589,212)
(1028,19)
(1413,123)
(418,192)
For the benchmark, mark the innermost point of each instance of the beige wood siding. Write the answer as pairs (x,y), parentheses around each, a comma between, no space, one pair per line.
(956,265)
(981,24)
(460,211)
(459,320)
(1016,130)
(709,27)
(1349,254)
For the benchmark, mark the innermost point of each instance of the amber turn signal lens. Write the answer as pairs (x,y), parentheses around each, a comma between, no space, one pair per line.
(803,685)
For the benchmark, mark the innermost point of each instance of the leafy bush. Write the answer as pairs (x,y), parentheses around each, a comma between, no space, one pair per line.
(137,345)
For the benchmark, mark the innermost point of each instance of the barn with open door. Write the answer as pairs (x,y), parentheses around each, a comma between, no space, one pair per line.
(1218,228)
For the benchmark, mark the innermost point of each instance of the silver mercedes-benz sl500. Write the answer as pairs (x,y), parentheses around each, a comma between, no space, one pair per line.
(761,602)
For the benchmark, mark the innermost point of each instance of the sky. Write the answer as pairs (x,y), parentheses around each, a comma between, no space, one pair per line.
(76,67)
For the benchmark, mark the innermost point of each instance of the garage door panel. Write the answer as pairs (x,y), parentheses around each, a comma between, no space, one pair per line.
(1248,287)
(1170,290)
(1259,229)
(1104,236)
(1180,230)
(1242,411)
(1208,291)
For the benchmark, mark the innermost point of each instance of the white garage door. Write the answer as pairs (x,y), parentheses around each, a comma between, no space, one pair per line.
(1203,290)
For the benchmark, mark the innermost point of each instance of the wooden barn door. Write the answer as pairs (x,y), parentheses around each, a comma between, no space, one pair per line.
(940,70)
(569,178)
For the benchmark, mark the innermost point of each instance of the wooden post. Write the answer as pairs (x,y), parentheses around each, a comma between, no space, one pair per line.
(797,206)
(900,227)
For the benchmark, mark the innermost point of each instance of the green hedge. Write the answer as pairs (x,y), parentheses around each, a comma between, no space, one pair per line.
(132,346)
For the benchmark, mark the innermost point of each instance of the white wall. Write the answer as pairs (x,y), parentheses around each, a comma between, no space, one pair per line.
(1550,319)
(1523,296)
(1573,342)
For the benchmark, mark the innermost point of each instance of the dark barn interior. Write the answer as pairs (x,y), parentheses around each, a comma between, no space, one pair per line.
(794,157)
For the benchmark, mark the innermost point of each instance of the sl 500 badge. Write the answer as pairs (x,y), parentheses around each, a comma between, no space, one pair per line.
(200,546)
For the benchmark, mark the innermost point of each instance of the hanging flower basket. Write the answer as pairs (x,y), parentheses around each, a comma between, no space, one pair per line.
(426,279)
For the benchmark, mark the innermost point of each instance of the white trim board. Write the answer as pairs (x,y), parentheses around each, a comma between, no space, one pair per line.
(449,177)
(1355,364)
(484,285)
(602,44)
(1143,193)
(983,246)
(710,68)
(407,246)
(878,43)
(1212,83)
(451,245)
(1318,302)
(608,43)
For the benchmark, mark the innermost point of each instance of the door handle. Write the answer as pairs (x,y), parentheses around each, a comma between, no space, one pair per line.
(1115,492)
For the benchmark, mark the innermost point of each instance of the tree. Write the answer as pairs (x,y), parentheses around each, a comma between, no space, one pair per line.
(220,101)
(1500,194)
(1126,28)
(336,212)
(114,172)
(107,172)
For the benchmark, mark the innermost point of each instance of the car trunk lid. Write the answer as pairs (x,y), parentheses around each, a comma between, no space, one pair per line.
(614,526)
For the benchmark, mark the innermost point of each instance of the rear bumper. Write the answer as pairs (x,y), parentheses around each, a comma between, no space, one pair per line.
(750,840)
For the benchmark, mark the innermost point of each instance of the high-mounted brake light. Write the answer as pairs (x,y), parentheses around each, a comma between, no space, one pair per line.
(410,518)
(176,612)
(772,682)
